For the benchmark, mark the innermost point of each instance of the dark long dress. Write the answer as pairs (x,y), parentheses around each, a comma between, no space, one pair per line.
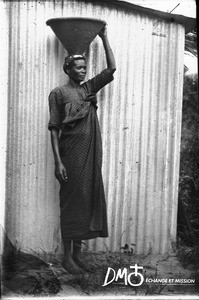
(82,200)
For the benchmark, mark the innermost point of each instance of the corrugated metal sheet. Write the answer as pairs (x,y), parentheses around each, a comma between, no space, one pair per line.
(139,113)
(3,115)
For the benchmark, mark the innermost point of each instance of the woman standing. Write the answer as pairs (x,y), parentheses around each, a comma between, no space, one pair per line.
(77,149)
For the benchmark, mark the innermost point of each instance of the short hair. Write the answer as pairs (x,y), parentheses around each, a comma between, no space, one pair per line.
(69,61)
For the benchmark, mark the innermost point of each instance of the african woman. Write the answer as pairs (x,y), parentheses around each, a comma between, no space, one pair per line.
(77,148)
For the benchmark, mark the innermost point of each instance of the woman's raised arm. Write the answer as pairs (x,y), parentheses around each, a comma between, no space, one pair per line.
(110,59)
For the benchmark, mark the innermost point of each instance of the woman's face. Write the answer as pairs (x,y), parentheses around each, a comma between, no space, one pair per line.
(78,71)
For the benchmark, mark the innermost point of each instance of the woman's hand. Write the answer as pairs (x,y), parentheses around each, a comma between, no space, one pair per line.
(103,32)
(60,172)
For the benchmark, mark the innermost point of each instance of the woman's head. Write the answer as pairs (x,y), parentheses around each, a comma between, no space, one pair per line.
(75,67)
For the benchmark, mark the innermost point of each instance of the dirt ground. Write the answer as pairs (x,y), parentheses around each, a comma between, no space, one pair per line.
(27,275)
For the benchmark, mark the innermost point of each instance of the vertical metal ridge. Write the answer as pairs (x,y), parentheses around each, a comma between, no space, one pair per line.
(12,214)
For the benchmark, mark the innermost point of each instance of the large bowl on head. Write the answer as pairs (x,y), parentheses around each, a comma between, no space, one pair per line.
(76,34)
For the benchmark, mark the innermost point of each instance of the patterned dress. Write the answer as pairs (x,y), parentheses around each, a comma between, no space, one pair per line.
(82,200)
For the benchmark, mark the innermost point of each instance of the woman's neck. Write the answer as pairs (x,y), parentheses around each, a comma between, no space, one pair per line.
(75,84)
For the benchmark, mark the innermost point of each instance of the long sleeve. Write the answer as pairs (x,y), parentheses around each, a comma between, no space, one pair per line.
(55,110)
(99,81)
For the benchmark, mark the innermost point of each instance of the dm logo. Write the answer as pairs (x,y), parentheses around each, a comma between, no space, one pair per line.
(134,278)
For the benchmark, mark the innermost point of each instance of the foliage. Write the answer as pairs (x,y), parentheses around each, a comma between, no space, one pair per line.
(191,42)
(188,211)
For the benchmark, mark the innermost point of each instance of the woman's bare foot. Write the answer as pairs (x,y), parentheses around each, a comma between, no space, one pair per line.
(71,266)
(88,266)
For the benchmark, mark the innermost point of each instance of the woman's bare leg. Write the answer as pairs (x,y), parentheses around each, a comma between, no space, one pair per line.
(68,263)
(86,265)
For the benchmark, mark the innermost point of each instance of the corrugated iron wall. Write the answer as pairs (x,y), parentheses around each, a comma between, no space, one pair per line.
(140,117)
(3,116)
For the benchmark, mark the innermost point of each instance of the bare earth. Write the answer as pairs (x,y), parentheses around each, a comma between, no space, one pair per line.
(27,275)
